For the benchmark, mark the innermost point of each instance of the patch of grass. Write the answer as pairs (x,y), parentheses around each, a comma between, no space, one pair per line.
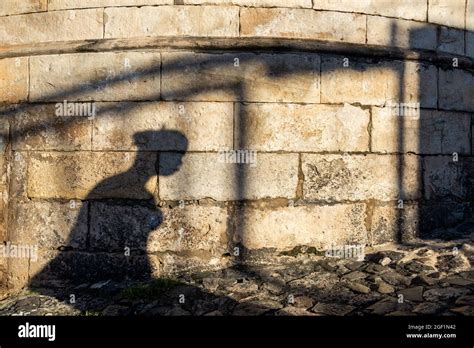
(150,291)
(91,313)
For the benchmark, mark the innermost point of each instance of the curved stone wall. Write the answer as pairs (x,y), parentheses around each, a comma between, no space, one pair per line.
(350,122)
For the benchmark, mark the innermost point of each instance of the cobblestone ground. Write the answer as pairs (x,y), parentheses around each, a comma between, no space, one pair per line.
(435,278)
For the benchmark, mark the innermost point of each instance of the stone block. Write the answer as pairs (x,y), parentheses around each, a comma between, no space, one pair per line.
(306,128)
(91,175)
(304,24)
(450,13)
(106,76)
(191,228)
(420,131)
(13,7)
(218,21)
(206,126)
(37,127)
(49,225)
(336,178)
(52,26)
(378,83)
(13,80)
(284,228)
(390,32)
(408,9)
(204,175)
(282,77)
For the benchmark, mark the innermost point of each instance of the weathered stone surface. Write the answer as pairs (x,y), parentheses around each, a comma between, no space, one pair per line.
(422,131)
(303,302)
(294,311)
(335,178)
(17,272)
(192,228)
(389,223)
(408,9)
(12,7)
(82,266)
(75,175)
(255,3)
(43,27)
(464,310)
(447,12)
(37,127)
(412,294)
(333,309)
(470,43)
(470,15)
(465,300)
(378,83)
(49,225)
(294,127)
(172,21)
(358,288)
(18,176)
(13,79)
(4,141)
(443,177)
(301,23)
(258,77)
(440,219)
(443,294)
(106,76)
(69,4)
(356,275)
(451,40)
(400,33)
(385,288)
(319,226)
(202,175)
(456,88)
(453,263)
(206,126)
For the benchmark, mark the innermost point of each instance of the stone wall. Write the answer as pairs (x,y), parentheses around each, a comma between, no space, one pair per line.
(310,88)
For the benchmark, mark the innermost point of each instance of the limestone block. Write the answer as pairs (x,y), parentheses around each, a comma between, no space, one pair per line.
(37,127)
(52,26)
(447,12)
(172,21)
(279,77)
(423,131)
(408,9)
(378,83)
(13,80)
(301,23)
(106,76)
(191,228)
(205,175)
(206,126)
(456,88)
(335,178)
(307,128)
(320,226)
(75,175)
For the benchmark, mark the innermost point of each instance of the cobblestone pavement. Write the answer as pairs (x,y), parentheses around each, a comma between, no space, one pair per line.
(434,279)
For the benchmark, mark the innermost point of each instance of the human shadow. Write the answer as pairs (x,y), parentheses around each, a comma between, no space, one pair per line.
(109,230)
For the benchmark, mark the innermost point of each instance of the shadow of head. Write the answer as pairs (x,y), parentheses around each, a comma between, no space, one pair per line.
(163,140)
